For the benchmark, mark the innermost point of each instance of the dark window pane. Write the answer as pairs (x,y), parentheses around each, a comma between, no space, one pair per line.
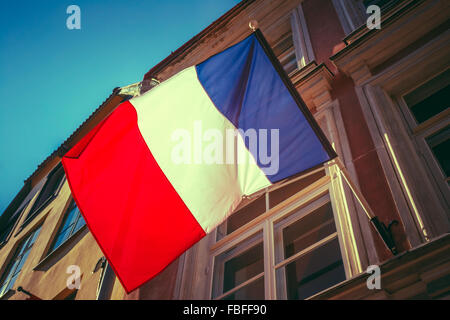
(315,271)
(6,231)
(430,98)
(308,230)
(432,105)
(252,291)
(238,265)
(243,267)
(439,144)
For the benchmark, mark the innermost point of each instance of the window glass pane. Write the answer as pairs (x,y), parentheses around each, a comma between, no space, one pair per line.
(430,99)
(11,282)
(48,190)
(80,223)
(312,273)
(243,267)
(3,288)
(308,230)
(23,247)
(439,144)
(5,232)
(17,262)
(11,270)
(33,237)
(252,291)
(69,219)
(63,236)
(279,195)
(238,264)
(21,263)
(73,221)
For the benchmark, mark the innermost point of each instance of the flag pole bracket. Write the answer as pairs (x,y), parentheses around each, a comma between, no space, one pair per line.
(253,25)
(386,233)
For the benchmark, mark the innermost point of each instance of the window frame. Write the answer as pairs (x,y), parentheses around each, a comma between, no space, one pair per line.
(247,244)
(320,189)
(419,132)
(73,232)
(293,217)
(20,250)
(301,42)
(15,224)
(35,210)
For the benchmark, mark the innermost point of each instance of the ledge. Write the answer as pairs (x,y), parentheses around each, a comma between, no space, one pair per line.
(366,49)
(422,271)
(314,84)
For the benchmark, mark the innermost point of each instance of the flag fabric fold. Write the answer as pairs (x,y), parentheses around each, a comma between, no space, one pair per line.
(165,168)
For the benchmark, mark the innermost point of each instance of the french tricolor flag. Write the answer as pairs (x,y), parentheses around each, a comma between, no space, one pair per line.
(167,167)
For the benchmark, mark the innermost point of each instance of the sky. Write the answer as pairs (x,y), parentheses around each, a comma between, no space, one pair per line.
(53,78)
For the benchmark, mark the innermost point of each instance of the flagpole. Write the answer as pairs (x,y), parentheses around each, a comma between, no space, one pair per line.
(383,230)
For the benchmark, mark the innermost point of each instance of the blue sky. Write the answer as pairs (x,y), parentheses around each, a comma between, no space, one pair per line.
(52,78)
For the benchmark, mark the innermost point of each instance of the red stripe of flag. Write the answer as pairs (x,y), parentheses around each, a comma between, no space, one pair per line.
(136,216)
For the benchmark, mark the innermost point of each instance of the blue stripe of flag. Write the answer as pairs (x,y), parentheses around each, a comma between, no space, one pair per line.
(246,88)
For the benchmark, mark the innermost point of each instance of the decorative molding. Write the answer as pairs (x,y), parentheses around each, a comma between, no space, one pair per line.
(313,82)
(416,195)
(374,47)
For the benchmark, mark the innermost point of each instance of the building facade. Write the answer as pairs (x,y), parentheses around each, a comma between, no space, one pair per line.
(380,97)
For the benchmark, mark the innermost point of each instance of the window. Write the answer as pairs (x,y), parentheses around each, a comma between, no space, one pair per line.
(308,257)
(72,222)
(48,192)
(17,262)
(302,239)
(9,225)
(430,99)
(427,112)
(239,272)
(15,210)
(439,144)
(293,47)
(285,51)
